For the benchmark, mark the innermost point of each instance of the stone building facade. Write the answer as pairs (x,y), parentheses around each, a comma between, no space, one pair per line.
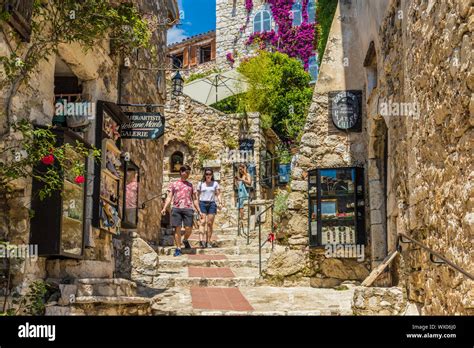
(234,25)
(194,55)
(204,137)
(102,75)
(414,147)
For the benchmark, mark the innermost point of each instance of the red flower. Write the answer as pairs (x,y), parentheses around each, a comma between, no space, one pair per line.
(79,179)
(48,160)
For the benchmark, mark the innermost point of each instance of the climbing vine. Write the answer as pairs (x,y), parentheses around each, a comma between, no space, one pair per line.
(37,156)
(86,22)
(295,41)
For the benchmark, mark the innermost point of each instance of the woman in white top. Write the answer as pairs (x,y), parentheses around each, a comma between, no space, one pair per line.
(209,202)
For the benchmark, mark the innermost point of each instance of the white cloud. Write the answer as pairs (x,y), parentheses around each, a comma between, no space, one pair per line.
(175,35)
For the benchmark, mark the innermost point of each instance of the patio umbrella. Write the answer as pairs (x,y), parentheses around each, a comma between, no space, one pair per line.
(216,87)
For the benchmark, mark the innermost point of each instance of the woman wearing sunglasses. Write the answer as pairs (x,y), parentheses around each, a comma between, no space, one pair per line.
(209,202)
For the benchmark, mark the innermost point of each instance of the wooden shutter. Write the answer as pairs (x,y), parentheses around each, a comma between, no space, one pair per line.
(213,49)
(21,12)
(186,58)
(193,56)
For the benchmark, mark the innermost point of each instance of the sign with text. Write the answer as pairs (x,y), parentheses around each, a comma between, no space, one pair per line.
(345,108)
(143,125)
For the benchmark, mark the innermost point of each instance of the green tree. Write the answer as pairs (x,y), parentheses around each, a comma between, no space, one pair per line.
(278,88)
(325,13)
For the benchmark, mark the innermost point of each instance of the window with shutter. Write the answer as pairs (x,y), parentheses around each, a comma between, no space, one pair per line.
(313,68)
(193,56)
(262,21)
(296,12)
(20,12)
(311,11)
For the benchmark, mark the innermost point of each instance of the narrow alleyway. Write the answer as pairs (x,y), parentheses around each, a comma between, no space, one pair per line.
(224,280)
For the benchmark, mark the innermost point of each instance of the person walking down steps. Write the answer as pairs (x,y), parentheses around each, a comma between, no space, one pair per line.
(209,202)
(243,180)
(182,194)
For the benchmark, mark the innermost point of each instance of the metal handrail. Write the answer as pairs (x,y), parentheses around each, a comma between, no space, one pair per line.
(260,245)
(434,253)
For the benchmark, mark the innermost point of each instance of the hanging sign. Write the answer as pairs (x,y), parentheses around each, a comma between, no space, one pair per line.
(345,108)
(143,125)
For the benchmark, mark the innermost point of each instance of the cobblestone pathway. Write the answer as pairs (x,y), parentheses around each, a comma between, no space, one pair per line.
(224,280)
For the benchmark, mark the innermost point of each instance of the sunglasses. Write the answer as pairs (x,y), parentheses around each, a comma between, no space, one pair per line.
(208,173)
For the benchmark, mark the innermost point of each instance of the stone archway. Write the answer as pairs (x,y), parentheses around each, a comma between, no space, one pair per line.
(173,148)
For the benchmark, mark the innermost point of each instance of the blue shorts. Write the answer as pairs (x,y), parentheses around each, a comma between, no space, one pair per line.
(208,207)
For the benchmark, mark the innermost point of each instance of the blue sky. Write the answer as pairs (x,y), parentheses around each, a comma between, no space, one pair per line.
(198,16)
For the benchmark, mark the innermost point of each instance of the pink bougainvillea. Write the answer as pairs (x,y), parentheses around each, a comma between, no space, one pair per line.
(248,5)
(295,41)
(230,58)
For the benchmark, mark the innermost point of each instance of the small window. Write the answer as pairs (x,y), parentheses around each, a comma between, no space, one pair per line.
(262,21)
(177,160)
(313,68)
(205,54)
(297,13)
(20,12)
(311,11)
(177,61)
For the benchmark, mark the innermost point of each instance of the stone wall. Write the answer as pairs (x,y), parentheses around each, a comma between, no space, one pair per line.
(324,146)
(203,133)
(148,87)
(98,70)
(431,164)
(231,17)
(393,52)
(379,301)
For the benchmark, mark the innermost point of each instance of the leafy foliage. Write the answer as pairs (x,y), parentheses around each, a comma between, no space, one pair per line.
(278,88)
(205,152)
(325,13)
(283,154)
(296,41)
(85,22)
(197,76)
(230,105)
(280,204)
(39,145)
(34,301)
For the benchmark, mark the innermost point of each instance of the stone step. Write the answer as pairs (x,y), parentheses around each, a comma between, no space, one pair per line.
(220,243)
(234,250)
(103,305)
(187,282)
(172,263)
(217,241)
(105,287)
(73,269)
(265,301)
(197,312)
(180,278)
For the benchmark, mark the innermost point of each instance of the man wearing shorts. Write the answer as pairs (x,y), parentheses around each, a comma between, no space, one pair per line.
(182,194)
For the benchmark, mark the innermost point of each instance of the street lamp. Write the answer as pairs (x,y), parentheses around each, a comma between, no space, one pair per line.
(178,83)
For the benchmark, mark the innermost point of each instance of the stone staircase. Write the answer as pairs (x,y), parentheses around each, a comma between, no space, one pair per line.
(99,296)
(225,280)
